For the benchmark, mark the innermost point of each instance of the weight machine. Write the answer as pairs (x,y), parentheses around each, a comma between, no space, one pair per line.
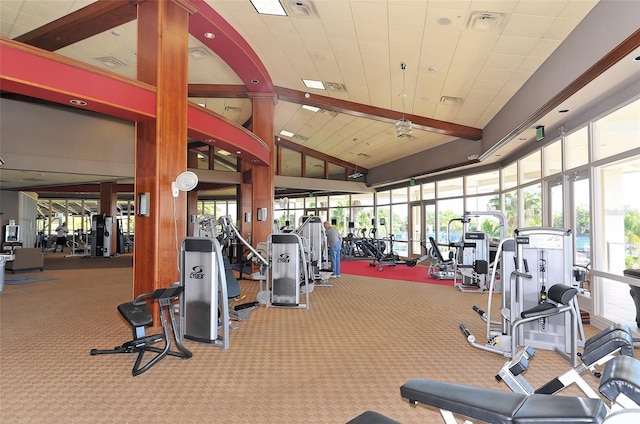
(539,307)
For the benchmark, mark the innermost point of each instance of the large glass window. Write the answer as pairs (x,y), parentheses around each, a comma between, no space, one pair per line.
(291,164)
(620,213)
(552,158)
(577,148)
(336,172)
(362,211)
(414,193)
(314,168)
(400,228)
(617,132)
(488,182)
(428,191)
(449,188)
(530,168)
(510,176)
(511,210)
(532,205)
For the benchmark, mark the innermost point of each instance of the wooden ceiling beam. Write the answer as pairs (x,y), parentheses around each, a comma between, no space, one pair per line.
(91,20)
(376,113)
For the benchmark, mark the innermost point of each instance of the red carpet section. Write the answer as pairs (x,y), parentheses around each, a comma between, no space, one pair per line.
(398,272)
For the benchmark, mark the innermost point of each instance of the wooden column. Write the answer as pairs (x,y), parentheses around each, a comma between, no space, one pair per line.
(257,188)
(161,144)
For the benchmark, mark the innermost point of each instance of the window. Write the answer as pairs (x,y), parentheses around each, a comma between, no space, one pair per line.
(552,158)
(291,165)
(532,205)
(428,191)
(617,132)
(449,188)
(530,168)
(314,168)
(577,148)
(488,182)
(510,176)
(336,172)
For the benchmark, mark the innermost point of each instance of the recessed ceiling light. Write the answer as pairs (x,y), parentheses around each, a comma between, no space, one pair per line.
(444,21)
(255,81)
(637,58)
(286,133)
(269,7)
(238,152)
(313,84)
(78,102)
(311,108)
(563,111)
(209,35)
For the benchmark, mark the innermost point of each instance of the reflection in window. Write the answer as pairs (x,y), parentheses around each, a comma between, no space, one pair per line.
(510,176)
(336,172)
(449,188)
(488,182)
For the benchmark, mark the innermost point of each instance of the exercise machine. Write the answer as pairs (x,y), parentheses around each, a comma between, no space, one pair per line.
(287,274)
(204,307)
(138,315)
(383,256)
(101,228)
(441,269)
(534,312)
(609,343)
(311,232)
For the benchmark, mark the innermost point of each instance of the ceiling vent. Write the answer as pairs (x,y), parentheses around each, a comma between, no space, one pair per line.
(110,62)
(335,86)
(331,113)
(231,109)
(363,156)
(450,101)
(485,21)
(198,53)
(301,9)
(300,137)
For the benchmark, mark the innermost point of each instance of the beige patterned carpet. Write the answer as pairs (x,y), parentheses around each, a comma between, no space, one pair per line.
(348,353)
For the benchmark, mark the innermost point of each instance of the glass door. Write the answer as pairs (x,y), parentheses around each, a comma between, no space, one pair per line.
(415,230)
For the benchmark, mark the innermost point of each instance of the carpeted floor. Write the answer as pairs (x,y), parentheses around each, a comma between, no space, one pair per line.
(402,272)
(350,352)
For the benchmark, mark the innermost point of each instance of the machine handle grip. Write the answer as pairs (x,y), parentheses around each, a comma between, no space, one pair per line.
(479,311)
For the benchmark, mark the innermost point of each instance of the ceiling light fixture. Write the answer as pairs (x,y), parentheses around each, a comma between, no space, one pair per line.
(404,128)
(269,7)
(77,102)
(313,84)
(311,108)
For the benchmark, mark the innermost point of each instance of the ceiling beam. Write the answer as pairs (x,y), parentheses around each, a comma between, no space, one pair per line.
(91,20)
(378,114)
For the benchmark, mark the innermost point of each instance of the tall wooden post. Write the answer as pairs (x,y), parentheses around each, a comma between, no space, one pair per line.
(257,188)
(161,144)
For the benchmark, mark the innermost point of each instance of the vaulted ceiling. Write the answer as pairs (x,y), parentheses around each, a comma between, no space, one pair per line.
(463,62)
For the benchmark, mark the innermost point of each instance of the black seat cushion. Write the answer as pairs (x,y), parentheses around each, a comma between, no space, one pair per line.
(136,314)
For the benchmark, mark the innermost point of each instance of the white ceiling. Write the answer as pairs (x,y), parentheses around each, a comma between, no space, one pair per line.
(479,52)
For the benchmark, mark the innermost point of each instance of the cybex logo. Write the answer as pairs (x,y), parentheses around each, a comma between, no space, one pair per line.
(197,273)
(284,258)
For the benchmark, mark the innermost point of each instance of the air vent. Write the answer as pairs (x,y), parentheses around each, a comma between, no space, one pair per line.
(198,53)
(110,62)
(301,9)
(231,109)
(300,137)
(450,101)
(335,86)
(331,113)
(485,21)
(363,156)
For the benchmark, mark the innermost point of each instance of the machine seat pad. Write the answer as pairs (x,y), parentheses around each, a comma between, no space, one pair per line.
(561,293)
(137,314)
(621,376)
(543,309)
(605,333)
(497,406)
(372,417)
(607,344)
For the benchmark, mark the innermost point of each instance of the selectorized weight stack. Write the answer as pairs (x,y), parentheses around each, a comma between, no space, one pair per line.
(204,309)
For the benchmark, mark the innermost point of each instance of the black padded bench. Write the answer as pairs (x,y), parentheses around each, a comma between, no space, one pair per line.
(621,376)
(496,406)
(371,417)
